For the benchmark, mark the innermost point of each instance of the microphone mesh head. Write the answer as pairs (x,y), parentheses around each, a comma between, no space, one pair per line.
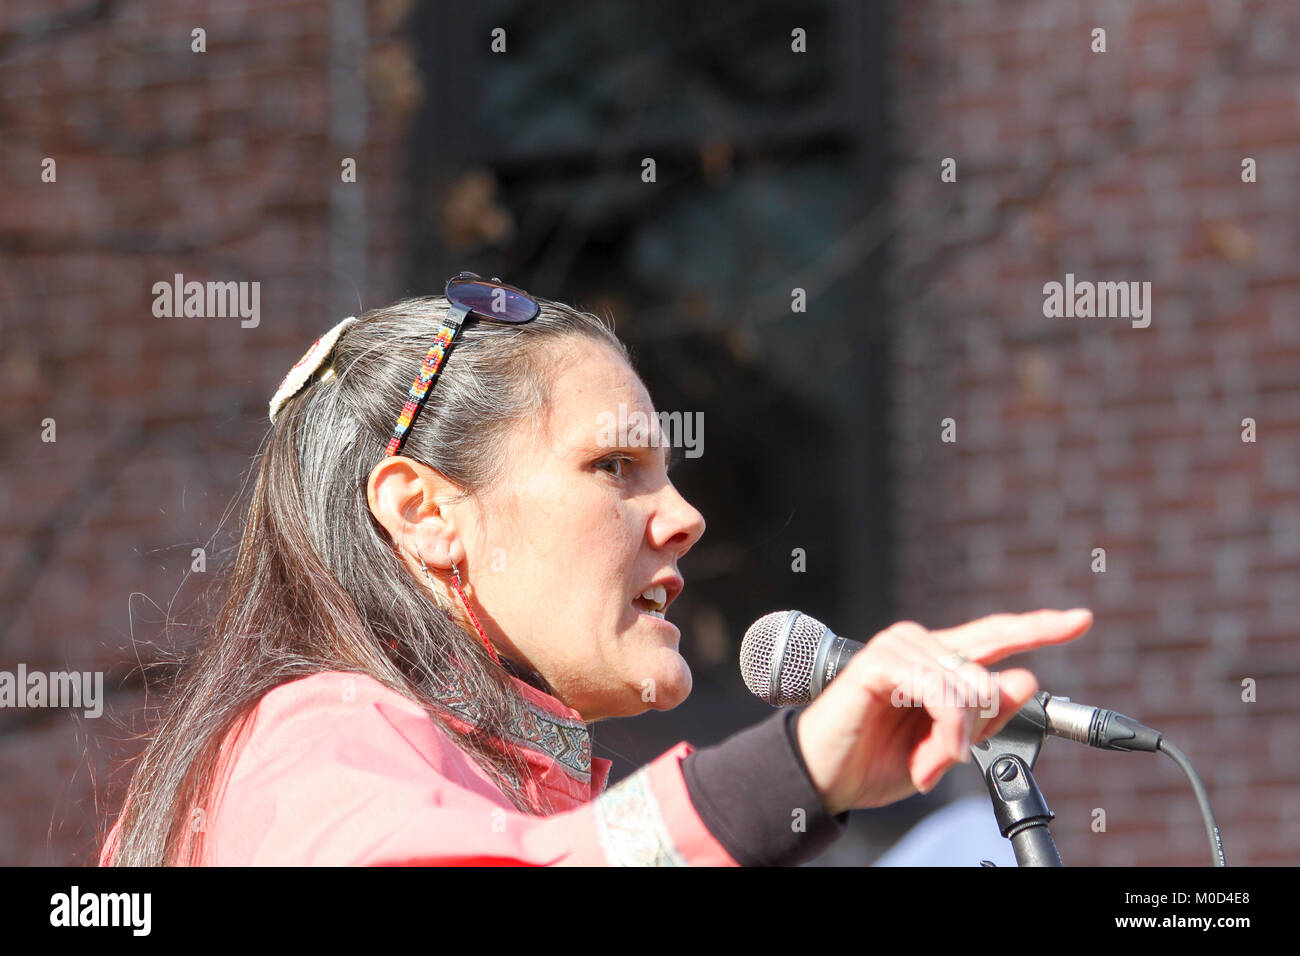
(762,652)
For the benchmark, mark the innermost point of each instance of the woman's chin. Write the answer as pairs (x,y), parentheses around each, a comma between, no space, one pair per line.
(670,684)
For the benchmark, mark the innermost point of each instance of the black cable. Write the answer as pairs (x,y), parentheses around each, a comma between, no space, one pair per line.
(1202,797)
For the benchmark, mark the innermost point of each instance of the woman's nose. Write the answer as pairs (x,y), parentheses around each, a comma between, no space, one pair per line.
(677,523)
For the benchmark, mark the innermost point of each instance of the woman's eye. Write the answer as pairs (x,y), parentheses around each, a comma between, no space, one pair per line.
(615,460)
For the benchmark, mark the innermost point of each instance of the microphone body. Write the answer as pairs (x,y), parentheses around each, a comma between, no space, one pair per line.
(789,658)
(833,655)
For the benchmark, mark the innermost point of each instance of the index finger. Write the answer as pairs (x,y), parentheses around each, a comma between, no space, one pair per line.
(997,636)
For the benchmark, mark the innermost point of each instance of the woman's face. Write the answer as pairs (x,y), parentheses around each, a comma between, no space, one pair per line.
(558,553)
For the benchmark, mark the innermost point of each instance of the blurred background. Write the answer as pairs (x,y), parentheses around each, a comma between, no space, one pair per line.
(777,168)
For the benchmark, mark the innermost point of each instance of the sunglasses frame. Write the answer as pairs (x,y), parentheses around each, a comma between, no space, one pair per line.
(473,279)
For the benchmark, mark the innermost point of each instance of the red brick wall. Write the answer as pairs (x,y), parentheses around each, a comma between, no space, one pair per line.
(217,165)
(1077,433)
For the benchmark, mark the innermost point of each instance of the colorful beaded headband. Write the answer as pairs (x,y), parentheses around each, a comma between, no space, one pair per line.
(431,366)
(467,294)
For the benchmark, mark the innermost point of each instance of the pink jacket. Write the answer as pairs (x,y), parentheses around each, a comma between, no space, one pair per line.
(336,769)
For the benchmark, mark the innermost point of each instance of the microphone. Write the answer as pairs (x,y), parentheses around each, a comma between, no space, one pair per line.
(787,658)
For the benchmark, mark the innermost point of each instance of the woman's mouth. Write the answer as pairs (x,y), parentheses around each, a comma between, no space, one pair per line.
(652,601)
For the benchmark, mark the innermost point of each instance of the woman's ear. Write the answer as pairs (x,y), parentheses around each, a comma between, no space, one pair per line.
(413,504)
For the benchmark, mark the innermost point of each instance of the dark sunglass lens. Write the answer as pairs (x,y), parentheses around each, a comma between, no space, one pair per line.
(487,299)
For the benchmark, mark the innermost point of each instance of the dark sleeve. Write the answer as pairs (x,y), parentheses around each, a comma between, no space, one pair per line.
(747,789)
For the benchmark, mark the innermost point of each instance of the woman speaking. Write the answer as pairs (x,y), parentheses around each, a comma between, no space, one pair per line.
(446,574)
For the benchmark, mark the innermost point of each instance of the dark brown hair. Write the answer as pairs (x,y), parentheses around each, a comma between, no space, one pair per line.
(317,585)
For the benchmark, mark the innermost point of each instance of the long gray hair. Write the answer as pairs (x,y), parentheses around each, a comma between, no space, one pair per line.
(317,584)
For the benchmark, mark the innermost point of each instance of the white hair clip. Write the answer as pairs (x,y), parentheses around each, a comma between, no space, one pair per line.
(306,367)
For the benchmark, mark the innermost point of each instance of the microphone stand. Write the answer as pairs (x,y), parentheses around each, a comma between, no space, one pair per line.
(1006,760)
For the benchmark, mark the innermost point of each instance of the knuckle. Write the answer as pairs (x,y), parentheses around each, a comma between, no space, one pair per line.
(905,629)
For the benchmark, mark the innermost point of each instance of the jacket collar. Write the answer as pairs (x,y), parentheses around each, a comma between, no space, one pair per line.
(551,737)
(556,738)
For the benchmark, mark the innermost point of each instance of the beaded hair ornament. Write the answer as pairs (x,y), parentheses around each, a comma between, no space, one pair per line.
(306,367)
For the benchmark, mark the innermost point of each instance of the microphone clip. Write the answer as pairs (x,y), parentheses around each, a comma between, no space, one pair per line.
(1006,760)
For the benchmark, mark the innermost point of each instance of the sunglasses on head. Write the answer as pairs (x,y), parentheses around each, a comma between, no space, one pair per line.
(469,296)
